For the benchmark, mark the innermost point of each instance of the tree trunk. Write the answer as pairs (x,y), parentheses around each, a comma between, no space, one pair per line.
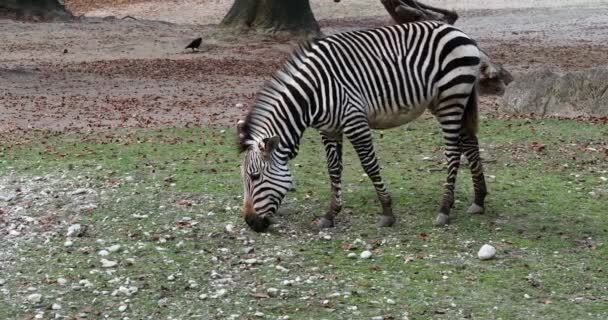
(36,9)
(292,17)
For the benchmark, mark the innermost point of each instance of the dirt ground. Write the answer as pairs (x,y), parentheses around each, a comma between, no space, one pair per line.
(105,73)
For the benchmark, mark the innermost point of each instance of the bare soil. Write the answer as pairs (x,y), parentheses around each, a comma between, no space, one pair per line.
(101,73)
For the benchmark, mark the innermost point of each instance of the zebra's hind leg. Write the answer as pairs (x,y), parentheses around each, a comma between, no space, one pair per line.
(450,119)
(470,147)
(360,135)
(333,151)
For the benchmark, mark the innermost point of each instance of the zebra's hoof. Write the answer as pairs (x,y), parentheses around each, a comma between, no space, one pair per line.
(475,209)
(324,223)
(442,220)
(386,221)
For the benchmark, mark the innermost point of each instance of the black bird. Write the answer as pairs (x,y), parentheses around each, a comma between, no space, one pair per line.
(195,44)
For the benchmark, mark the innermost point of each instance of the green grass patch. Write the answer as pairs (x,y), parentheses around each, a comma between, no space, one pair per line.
(166,196)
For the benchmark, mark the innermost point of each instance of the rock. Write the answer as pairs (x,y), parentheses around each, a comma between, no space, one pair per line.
(248,250)
(203,296)
(80,191)
(129,179)
(486,252)
(114,248)
(170,277)
(68,243)
(258,314)
(250,261)
(85,283)
(56,306)
(2,282)
(220,293)
(390,301)
(127,291)
(281,268)
(366,254)
(108,263)
(272,292)
(229,228)
(352,255)
(548,93)
(103,253)
(76,230)
(34,298)
(7,196)
(162,302)
(123,308)
(62,281)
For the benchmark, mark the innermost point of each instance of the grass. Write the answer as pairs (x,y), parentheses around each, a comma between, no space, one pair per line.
(166,196)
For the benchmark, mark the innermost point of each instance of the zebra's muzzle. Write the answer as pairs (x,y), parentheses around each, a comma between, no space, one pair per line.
(258,224)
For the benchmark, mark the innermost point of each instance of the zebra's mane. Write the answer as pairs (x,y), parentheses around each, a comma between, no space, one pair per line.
(271,88)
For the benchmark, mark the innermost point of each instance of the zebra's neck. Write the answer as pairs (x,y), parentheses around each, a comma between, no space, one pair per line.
(282,111)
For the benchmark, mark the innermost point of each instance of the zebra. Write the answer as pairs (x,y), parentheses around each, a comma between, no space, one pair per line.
(348,84)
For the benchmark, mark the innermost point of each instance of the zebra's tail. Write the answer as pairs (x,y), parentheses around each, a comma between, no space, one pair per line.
(470,119)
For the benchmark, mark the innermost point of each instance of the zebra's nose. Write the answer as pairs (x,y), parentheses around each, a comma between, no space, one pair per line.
(257,224)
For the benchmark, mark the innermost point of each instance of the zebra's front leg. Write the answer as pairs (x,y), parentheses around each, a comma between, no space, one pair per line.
(453,153)
(333,151)
(360,136)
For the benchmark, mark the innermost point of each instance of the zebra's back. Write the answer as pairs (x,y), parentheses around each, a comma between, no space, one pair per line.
(392,73)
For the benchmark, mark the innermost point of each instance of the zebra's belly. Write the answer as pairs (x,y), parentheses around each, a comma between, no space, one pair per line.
(387,120)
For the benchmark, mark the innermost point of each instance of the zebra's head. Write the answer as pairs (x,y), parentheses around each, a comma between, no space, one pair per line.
(265,179)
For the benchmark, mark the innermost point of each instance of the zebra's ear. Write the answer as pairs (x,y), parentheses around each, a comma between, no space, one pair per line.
(268,145)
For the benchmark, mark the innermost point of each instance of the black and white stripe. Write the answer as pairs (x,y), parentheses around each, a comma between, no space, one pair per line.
(349,83)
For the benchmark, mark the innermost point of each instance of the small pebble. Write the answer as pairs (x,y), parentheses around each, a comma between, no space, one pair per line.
(62,281)
(75,230)
(170,277)
(103,253)
(352,255)
(34,298)
(272,291)
(2,282)
(486,252)
(108,263)
(114,248)
(203,296)
(56,306)
(390,301)
(258,314)
(122,308)
(366,254)
(68,243)
(220,293)
(162,302)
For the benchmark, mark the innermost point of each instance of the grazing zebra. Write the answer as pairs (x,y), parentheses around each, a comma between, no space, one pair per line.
(349,83)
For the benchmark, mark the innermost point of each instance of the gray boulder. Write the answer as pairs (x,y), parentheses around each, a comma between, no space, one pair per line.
(549,93)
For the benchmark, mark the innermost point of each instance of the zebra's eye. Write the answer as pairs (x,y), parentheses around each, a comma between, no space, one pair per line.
(254,175)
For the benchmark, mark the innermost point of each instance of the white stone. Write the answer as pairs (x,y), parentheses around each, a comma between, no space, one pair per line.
(85,283)
(56,306)
(14,233)
(68,243)
(272,291)
(390,301)
(250,261)
(114,248)
(258,314)
(281,268)
(123,308)
(2,282)
(486,252)
(79,191)
(229,228)
(220,293)
(170,277)
(108,263)
(74,230)
(352,255)
(34,298)
(366,254)
(103,253)
(527,296)
(62,281)
(203,296)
